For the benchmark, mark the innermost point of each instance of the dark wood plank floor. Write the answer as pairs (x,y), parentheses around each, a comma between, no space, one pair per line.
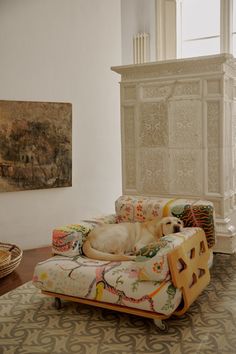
(25,270)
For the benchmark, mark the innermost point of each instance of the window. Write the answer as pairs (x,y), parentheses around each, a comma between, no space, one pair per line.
(190,28)
(200,27)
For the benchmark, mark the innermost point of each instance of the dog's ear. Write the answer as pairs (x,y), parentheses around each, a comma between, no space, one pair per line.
(159,230)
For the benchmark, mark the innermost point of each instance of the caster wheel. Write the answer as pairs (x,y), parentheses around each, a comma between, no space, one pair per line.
(57,303)
(162,326)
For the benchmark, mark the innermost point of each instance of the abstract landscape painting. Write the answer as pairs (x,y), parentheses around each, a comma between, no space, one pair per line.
(35,145)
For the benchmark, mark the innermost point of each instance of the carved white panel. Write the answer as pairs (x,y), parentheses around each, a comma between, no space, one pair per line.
(185,118)
(153,124)
(232,202)
(227,168)
(129,92)
(130,168)
(129,125)
(231,177)
(233,122)
(186,171)
(229,91)
(213,144)
(234,108)
(153,171)
(218,207)
(234,168)
(213,123)
(213,163)
(234,88)
(228,124)
(129,151)
(157,90)
(170,89)
(187,88)
(227,206)
(214,87)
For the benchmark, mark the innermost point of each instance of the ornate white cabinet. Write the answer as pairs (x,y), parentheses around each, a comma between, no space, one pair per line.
(178,123)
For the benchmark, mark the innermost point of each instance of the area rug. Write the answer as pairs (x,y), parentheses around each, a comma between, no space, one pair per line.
(29,323)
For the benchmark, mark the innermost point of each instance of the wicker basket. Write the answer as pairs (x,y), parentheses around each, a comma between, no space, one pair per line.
(13,256)
(5,257)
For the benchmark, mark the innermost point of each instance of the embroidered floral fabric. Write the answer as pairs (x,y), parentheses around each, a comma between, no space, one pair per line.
(193,213)
(68,240)
(152,260)
(112,282)
(122,283)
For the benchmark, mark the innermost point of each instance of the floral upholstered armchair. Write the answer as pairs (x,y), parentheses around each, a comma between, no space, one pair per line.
(164,279)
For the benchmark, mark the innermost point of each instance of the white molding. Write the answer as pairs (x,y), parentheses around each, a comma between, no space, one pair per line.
(179,29)
(226,26)
(166,29)
(225,235)
(160,40)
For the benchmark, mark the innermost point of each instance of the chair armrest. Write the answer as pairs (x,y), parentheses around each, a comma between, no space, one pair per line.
(68,240)
(152,261)
(193,276)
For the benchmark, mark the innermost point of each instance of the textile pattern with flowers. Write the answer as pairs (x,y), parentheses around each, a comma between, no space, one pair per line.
(157,266)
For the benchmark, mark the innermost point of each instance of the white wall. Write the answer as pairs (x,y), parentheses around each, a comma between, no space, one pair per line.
(57,50)
(137,16)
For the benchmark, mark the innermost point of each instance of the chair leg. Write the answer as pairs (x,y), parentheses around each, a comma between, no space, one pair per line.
(161,325)
(57,303)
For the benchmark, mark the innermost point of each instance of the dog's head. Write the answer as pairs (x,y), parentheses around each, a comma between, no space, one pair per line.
(169,225)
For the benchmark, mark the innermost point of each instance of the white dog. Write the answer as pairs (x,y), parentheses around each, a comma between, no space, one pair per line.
(110,242)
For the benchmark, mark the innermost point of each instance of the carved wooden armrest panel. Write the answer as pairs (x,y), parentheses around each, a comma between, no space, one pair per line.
(189,268)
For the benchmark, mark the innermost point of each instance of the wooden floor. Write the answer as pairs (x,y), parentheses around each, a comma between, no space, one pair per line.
(25,270)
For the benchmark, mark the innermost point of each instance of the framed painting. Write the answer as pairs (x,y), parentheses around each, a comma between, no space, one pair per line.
(35,145)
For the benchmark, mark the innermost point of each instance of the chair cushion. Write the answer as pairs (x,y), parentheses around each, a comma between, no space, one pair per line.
(193,213)
(112,282)
(152,260)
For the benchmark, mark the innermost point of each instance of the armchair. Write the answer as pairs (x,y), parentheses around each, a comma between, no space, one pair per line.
(165,278)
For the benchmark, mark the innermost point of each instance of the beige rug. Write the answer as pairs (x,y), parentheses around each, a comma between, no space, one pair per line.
(29,323)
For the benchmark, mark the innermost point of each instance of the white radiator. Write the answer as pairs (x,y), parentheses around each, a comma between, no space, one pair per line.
(141,48)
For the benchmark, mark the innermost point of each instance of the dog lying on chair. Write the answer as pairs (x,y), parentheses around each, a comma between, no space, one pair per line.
(113,242)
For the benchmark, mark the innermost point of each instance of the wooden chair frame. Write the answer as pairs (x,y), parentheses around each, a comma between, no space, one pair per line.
(189,272)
